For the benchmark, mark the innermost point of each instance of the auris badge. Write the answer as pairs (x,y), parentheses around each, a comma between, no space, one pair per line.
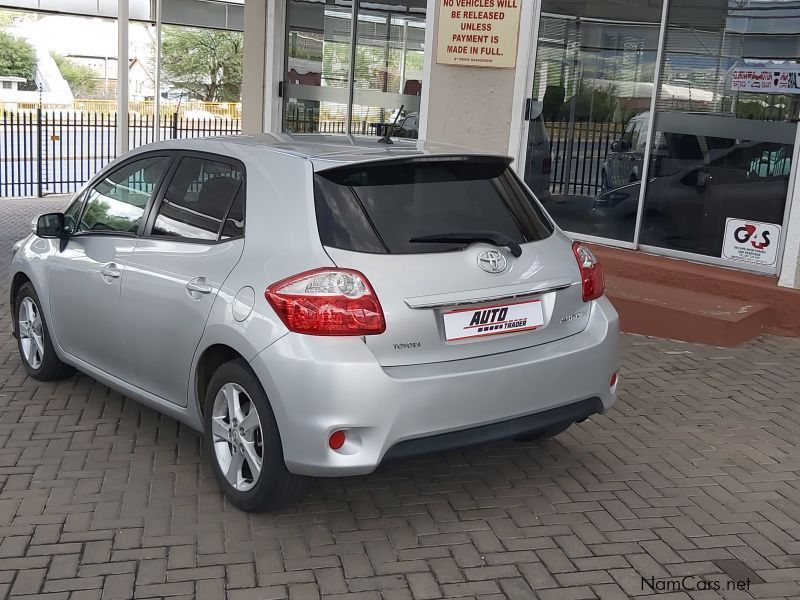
(492,261)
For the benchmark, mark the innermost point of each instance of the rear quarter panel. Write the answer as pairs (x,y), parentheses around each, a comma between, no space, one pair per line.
(281,239)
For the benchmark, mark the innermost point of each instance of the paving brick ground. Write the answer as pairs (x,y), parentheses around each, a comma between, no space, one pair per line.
(694,473)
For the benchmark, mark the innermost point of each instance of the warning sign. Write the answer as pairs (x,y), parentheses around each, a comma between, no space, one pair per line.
(751,241)
(478,33)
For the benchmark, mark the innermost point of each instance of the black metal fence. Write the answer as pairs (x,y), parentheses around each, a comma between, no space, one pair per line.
(578,151)
(51,152)
(298,125)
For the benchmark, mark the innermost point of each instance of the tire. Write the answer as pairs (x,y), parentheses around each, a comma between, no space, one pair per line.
(231,451)
(546,434)
(33,338)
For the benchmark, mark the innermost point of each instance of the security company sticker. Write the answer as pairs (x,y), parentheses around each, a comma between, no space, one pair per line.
(493,320)
(751,241)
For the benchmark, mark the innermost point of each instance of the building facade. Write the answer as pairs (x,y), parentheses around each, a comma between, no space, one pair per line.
(667,126)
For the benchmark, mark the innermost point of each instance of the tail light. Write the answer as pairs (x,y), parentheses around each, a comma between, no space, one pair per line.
(592,282)
(327,302)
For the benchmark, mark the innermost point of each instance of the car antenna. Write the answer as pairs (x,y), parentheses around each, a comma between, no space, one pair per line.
(387,139)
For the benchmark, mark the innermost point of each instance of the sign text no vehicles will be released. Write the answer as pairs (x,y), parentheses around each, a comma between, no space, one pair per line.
(480,33)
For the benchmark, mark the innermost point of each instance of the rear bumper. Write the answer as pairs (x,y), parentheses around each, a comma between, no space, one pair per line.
(512,428)
(320,385)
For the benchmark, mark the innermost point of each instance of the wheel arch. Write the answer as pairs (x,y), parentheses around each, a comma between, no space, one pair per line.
(20,278)
(209,361)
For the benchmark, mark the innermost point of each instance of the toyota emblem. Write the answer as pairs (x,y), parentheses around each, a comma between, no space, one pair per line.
(492,261)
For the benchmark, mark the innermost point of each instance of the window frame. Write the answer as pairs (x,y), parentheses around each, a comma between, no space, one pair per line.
(147,231)
(95,181)
(79,198)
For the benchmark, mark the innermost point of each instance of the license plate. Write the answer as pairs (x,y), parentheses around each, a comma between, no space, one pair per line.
(493,320)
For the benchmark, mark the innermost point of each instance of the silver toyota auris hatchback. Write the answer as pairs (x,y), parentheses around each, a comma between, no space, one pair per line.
(316,306)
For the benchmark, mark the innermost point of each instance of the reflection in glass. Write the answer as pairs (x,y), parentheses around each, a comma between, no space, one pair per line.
(588,120)
(117,202)
(389,61)
(317,66)
(197,199)
(385,70)
(720,152)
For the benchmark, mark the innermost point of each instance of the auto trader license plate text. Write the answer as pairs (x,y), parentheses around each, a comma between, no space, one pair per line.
(492,320)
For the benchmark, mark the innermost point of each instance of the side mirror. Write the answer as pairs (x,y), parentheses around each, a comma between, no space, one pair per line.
(619,146)
(696,179)
(50,225)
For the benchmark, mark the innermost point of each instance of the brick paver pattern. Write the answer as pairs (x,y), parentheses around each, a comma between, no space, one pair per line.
(693,473)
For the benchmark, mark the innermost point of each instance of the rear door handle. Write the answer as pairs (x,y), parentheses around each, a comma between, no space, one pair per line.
(111,271)
(198,285)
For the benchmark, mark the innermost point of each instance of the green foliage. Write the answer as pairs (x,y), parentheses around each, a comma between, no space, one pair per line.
(594,104)
(7,17)
(205,63)
(17,57)
(82,80)
(99,216)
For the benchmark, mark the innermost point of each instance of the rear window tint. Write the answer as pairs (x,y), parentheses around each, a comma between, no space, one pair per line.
(380,207)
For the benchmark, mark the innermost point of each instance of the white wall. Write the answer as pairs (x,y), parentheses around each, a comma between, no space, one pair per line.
(790,267)
(253,67)
(465,106)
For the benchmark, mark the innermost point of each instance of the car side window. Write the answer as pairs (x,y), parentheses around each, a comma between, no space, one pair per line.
(629,133)
(234,222)
(641,136)
(633,138)
(197,199)
(118,201)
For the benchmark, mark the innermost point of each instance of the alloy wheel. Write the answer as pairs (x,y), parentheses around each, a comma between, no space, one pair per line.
(31,333)
(237,437)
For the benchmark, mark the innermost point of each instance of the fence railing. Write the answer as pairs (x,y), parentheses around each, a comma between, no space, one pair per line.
(184,108)
(43,152)
(578,153)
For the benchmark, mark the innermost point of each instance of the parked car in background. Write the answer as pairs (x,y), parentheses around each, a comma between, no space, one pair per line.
(200,115)
(318,305)
(623,165)
(408,126)
(696,182)
(538,159)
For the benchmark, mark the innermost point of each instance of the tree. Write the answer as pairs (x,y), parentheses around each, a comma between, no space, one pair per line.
(205,63)
(82,79)
(17,57)
(7,17)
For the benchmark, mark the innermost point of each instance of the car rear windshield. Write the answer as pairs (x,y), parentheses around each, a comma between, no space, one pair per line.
(381,207)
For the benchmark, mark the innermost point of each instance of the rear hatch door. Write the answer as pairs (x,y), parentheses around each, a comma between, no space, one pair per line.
(462,258)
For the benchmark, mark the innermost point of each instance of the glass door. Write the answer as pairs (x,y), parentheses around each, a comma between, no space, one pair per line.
(351,66)
(589,113)
(724,133)
(318,66)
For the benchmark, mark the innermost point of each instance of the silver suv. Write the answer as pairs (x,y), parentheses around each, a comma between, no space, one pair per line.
(317,306)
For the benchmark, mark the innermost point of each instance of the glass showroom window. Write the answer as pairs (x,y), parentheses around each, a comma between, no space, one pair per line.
(700,105)
(341,79)
(589,115)
(724,132)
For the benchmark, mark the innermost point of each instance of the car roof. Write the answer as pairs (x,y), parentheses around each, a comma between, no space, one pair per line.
(324,151)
